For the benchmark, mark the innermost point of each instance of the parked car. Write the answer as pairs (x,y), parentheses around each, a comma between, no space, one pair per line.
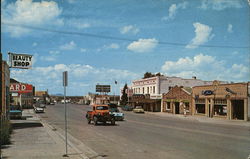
(15,112)
(39,110)
(138,109)
(127,108)
(115,111)
(100,113)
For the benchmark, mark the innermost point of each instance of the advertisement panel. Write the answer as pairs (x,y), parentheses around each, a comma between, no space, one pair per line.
(20,88)
(103,88)
(23,61)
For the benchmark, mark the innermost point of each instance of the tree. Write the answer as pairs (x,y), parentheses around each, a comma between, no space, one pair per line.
(124,98)
(148,75)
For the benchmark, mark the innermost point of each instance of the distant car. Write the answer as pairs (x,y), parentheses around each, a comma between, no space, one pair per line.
(138,109)
(42,106)
(52,103)
(39,110)
(115,111)
(127,108)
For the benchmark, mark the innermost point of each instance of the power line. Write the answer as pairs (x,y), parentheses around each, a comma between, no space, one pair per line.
(115,38)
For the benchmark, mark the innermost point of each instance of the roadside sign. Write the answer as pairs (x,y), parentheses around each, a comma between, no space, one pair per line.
(102,88)
(65,78)
(23,61)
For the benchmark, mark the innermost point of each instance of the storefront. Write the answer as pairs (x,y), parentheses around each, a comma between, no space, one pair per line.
(147,103)
(177,101)
(229,101)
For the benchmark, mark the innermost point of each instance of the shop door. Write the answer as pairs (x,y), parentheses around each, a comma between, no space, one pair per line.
(238,109)
(177,107)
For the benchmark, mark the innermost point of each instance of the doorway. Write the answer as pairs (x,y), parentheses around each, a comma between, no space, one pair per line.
(238,109)
(177,107)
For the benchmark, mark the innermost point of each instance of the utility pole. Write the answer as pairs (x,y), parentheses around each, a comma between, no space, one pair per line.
(65,84)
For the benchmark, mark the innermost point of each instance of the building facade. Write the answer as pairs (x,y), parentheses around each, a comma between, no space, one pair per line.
(22,94)
(177,101)
(5,95)
(229,101)
(156,86)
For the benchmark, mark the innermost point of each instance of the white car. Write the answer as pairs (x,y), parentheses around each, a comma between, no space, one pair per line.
(138,109)
(39,110)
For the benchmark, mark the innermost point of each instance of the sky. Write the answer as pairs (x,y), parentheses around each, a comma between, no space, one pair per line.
(100,42)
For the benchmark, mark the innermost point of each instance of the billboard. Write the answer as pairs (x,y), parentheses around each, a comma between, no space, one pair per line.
(21,88)
(102,88)
(23,61)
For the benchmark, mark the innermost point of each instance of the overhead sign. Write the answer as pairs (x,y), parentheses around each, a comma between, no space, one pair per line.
(23,61)
(103,88)
(21,88)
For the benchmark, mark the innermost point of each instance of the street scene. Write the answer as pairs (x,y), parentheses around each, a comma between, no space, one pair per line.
(125,79)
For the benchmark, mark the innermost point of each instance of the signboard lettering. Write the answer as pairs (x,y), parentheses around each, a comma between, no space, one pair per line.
(207,92)
(23,61)
(103,88)
(20,88)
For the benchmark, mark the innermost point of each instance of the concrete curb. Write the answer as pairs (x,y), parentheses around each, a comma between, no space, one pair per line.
(74,143)
(202,119)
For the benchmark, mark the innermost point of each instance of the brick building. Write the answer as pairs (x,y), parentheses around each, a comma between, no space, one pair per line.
(177,101)
(5,84)
(229,101)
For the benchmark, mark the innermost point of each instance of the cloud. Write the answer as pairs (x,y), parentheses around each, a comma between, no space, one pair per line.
(207,68)
(34,44)
(82,78)
(143,45)
(220,4)
(52,52)
(78,23)
(48,58)
(203,33)
(129,29)
(230,28)
(172,11)
(31,13)
(112,46)
(68,46)
(83,50)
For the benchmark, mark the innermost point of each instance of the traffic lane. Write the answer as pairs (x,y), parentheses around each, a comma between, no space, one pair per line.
(178,124)
(102,136)
(191,124)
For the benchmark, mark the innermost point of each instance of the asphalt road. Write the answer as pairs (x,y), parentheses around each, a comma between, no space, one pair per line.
(146,136)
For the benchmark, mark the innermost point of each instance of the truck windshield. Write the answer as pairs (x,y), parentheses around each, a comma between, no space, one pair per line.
(101,108)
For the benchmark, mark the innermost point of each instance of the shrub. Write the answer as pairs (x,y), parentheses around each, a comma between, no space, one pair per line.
(5,131)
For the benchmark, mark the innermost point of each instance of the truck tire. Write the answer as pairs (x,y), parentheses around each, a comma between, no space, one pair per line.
(112,121)
(89,120)
(95,120)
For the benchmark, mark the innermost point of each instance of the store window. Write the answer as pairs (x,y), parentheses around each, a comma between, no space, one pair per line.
(200,106)
(220,107)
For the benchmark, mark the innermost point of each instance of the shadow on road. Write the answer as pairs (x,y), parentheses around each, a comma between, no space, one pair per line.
(26,125)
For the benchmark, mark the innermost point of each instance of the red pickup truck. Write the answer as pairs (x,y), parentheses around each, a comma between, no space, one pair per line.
(100,113)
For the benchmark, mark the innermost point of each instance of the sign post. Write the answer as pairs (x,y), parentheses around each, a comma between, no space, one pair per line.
(65,84)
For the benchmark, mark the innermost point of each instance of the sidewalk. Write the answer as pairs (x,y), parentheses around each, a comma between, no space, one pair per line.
(33,139)
(202,119)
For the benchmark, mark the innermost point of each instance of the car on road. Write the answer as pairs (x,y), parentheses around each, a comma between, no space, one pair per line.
(39,110)
(100,113)
(127,108)
(138,109)
(15,112)
(115,111)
